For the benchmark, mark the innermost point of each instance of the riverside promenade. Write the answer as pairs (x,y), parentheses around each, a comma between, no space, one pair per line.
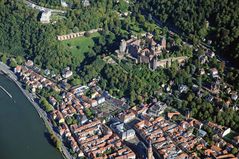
(43,115)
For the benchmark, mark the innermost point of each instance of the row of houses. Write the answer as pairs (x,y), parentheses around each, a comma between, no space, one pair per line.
(88,137)
(183,140)
(33,79)
(92,139)
(98,141)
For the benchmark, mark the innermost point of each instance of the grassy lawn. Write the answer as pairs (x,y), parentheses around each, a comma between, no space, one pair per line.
(80,46)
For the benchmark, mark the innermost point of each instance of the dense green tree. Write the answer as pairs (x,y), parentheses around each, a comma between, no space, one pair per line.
(56,141)
(234,151)
(123,6)
(22,34)
(69,120)
(199,19)
(88,112)
(48,2)
(4,58)
(46,106)
(19,60)
(13,62)
(75,81)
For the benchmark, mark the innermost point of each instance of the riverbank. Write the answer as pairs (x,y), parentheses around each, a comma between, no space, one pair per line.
(4,69)
(22,131)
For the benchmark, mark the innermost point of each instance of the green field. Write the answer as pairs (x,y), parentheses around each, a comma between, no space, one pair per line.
(80,46)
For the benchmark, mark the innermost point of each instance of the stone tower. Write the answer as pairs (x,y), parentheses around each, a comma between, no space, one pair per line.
(123,46)
(153,63)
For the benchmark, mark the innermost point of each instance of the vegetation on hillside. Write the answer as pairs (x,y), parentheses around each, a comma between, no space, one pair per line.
(199,19)
(78,47)
(22,35)
(48,2)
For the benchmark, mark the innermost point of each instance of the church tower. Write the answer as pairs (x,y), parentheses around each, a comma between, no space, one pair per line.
(150,151)
(163,43)
(188,114)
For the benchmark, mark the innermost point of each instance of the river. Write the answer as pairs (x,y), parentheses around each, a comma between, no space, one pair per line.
(22,132)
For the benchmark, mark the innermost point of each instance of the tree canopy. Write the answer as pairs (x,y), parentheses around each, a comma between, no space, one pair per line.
(210,19)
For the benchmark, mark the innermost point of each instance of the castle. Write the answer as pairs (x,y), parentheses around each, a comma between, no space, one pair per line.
(143,51)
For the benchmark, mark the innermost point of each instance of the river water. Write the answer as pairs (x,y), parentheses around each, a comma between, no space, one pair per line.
(22,132)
